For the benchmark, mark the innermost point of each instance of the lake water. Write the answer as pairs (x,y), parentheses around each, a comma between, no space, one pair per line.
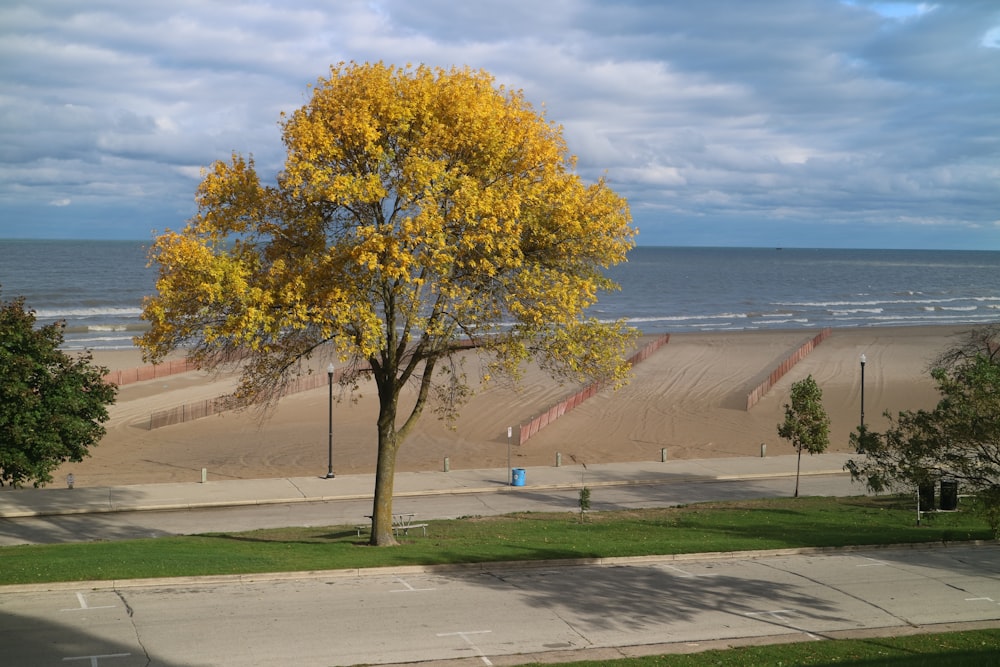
(97,287)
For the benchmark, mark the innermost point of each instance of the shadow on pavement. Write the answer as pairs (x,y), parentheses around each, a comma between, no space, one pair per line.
(73,528)
(37,640)
(634,598)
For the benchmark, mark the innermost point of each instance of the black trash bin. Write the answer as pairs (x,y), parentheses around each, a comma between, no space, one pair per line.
(925,492)
(949,494)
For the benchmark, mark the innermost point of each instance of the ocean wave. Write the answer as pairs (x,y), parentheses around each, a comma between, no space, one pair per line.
(941,318)
(86,328)
(855,311)
(817,319)
(880,302)
(92,313)
(791,320)
(98,339)
(110,345)
(934,309)
(687,318)
(97,343)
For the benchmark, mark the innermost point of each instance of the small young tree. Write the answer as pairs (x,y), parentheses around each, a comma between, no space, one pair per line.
(584,501)
(52,405)
(806,423)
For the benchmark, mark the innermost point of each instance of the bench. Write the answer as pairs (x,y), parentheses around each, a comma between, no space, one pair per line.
(400,523)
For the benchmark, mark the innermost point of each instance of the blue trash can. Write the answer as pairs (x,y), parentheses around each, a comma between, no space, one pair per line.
(517,477)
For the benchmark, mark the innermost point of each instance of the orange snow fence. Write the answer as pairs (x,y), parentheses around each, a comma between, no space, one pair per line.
(150,372)
(562,407)
(795,357)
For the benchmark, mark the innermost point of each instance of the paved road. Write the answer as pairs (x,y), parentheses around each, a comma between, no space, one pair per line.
(88,526)
(502,615)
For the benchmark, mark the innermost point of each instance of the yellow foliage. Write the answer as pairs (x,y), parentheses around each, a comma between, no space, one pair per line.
(417,207)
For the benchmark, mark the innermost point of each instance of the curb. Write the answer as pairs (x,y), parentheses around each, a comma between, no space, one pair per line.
(473,568)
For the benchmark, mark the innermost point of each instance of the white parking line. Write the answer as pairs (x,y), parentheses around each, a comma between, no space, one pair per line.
(465,637)
(874,562)
(408,587)
(84,606)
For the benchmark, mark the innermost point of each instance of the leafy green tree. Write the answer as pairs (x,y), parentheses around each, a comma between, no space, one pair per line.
(959,438)
(52,405)
(420,211)
(806,424)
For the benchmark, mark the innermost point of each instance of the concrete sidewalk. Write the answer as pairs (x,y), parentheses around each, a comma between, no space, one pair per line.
(189,495)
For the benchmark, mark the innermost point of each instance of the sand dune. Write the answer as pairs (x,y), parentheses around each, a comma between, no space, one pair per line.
(688,398)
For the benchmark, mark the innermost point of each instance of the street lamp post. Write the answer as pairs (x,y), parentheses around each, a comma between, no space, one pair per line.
(863,360)
(329,379)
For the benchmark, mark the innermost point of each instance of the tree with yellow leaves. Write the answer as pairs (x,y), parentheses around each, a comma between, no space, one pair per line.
(421,211)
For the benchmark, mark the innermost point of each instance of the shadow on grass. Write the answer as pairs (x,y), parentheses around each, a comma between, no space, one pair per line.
(701,528)
(279,536)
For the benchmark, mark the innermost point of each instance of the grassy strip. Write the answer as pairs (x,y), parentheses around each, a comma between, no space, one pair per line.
(953,649)
(708,527)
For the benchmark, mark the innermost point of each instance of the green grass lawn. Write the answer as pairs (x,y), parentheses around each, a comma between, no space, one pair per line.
(708,527)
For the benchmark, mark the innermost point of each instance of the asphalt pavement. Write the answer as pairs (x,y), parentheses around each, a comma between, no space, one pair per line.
(62,500)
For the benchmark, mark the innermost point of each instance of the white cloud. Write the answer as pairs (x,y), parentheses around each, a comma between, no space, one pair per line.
(895,10)
(991,38)
(725,112)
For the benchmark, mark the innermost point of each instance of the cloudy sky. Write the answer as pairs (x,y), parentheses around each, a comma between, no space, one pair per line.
(796,123)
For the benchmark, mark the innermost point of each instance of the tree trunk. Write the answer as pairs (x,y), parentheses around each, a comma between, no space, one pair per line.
(798,465)
(388,445)
(389,379)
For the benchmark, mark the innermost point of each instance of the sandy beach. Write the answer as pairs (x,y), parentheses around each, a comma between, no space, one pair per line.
(689,399)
